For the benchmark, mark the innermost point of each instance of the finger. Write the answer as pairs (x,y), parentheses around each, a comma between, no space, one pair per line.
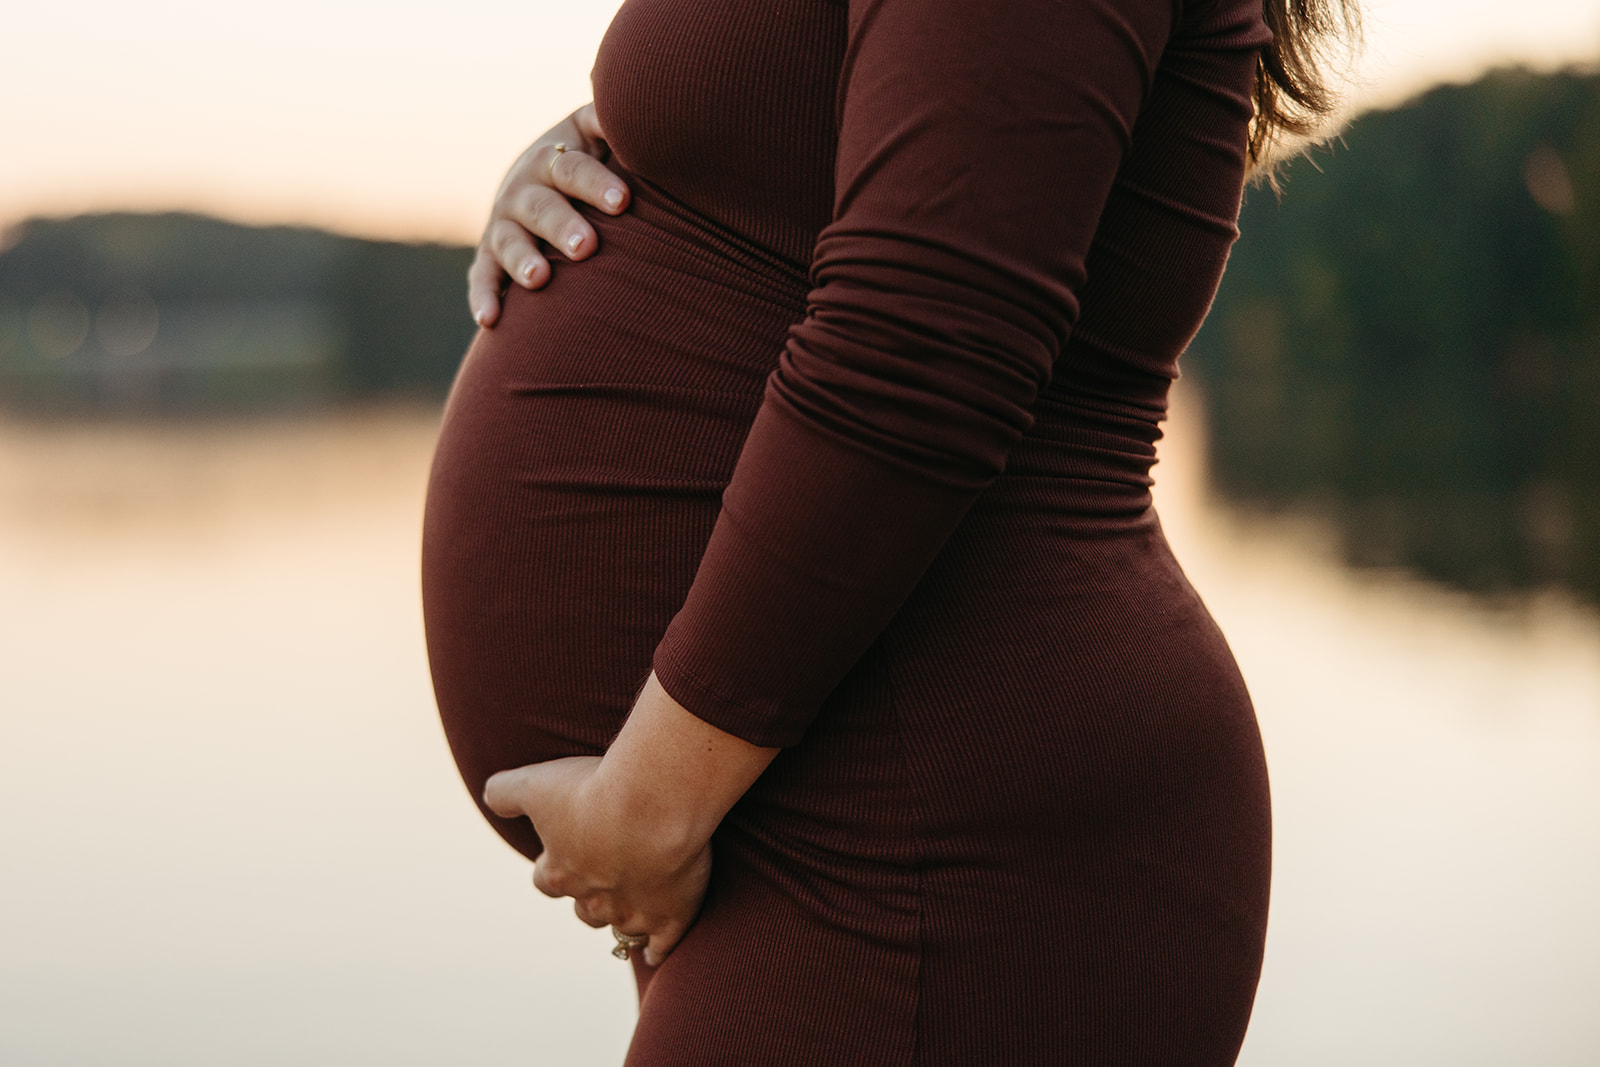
(485,282)
(530,790)
(593,910)
(663,941)
(484,278)
(550,879)
(546,212)
(588,122)
(503,794)
(579,175)
(511,248)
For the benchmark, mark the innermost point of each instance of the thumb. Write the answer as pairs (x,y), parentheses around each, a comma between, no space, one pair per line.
(588,122)
(532,789)
(506,793)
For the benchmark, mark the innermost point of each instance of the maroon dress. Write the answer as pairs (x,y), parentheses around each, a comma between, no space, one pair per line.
(847,432)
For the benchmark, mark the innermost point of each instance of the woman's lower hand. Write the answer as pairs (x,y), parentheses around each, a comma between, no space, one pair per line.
(619,872)
(535,201)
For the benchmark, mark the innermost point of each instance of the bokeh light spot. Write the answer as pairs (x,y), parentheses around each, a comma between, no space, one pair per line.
(1548,181)
(127,322)
(58,324)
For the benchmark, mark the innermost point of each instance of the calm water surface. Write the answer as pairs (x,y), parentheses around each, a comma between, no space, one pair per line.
(231,832)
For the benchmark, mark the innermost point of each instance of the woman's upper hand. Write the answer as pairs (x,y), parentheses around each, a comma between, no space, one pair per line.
(534,201)
(618,873)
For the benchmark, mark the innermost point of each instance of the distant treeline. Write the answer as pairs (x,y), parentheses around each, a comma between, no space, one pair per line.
(139,313)
(1409,342)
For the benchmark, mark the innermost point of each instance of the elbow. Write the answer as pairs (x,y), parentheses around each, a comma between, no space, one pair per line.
(942,381)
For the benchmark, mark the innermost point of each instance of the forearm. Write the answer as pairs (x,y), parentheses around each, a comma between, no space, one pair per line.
(670,777)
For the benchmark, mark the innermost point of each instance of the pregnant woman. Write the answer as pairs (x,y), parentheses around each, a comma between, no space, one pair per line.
(840,449)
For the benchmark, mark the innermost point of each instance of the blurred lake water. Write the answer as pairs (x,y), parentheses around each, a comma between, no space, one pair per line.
(232,833)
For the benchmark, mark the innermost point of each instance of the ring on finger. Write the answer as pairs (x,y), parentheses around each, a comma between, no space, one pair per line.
(560,147)
(626,942)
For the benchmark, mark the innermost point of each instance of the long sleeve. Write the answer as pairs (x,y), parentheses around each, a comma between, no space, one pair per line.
(977,146)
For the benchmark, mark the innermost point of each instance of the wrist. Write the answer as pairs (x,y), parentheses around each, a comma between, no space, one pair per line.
(670,777)
(650,824)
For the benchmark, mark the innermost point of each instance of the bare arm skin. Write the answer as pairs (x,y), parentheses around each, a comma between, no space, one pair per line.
(534,201)
(628,834)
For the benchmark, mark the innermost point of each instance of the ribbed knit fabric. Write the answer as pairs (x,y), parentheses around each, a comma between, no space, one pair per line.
(847,431)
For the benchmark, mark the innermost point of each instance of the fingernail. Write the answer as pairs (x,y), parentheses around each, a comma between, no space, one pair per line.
(574,241)
(526,273)
(480,316)
(613,197)
(651,959)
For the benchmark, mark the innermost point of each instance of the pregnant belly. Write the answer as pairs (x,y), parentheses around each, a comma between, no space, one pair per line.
(579,471)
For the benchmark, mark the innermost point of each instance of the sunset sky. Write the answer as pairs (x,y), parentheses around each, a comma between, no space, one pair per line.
(397,118)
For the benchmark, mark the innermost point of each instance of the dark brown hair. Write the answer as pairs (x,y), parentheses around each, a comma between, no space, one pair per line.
(1293,96)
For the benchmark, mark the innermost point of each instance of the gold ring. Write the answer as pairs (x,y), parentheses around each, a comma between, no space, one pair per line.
(626,942)
(560,147)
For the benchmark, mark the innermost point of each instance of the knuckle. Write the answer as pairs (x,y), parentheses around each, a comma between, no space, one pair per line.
(580,168)
(489,248)
(513,254)
(593,175)
(501,238)
(549,880)
(483,271)
(551,214)
(523,203)
(593,910)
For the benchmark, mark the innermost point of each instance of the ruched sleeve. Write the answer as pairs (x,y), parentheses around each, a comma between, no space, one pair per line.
(977,146)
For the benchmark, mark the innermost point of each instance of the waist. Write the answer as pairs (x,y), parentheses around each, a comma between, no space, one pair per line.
(699,245)
(644,366)
(1087,454)
(1093,441)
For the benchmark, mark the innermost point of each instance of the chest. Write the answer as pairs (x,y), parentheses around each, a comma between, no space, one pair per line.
(728,105)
